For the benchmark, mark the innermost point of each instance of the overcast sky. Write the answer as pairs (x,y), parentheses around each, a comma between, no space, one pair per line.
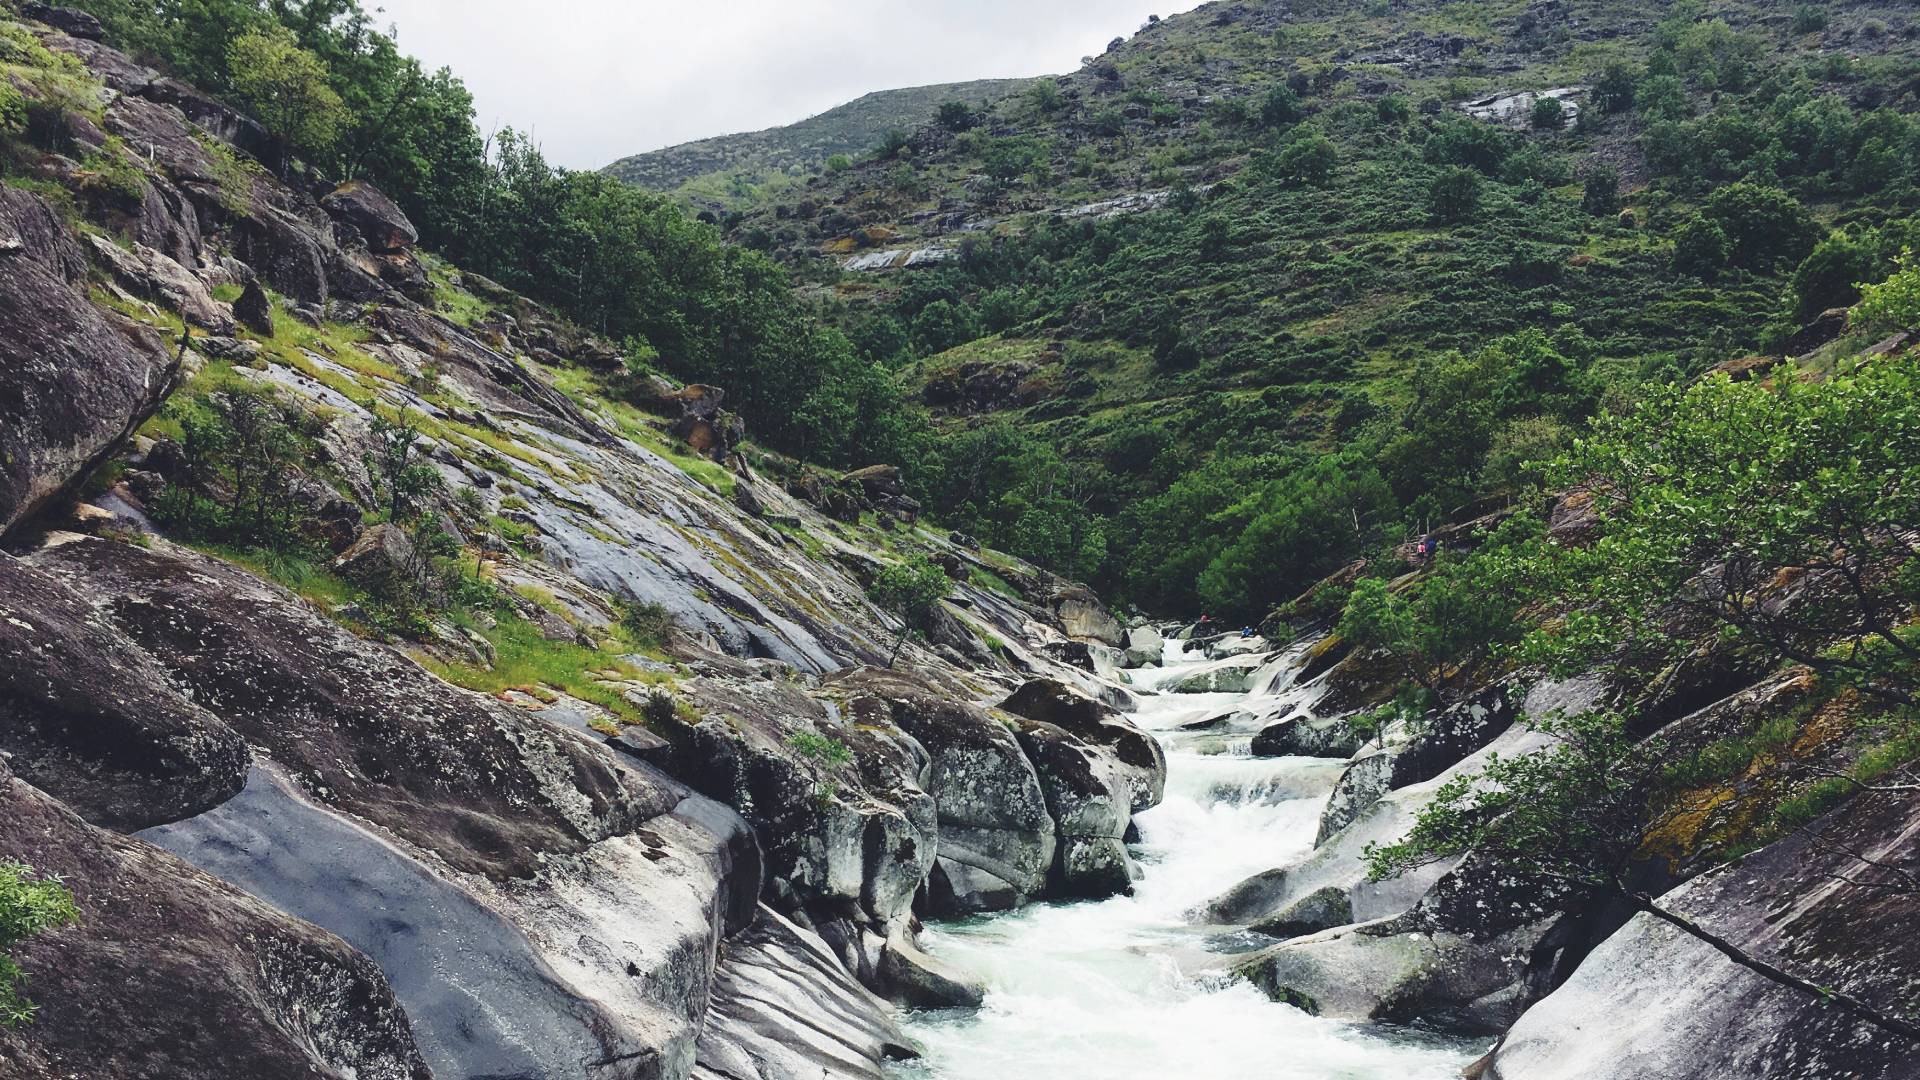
(596,80)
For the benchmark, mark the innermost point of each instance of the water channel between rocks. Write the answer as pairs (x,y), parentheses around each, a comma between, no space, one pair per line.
(1119,989)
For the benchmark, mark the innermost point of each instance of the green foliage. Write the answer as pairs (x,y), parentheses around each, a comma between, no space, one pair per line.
(1547,114)
(956,116)
(910,590)
(1466,609)
(1307,158)
(1613,91)
(824,749)
(1454,196)
(943,324)
(1895,301)
(399,477)
(29,905)
(1296,530)
(1281,107)
(1764,226)
(239,453)
(1568,816)
(1718,499)
(1701,248)
(1044,95)
(1600,192)
(647,625)
(286,88)
(1832,274)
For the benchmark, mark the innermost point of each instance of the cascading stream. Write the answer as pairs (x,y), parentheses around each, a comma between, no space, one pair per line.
(1096,989)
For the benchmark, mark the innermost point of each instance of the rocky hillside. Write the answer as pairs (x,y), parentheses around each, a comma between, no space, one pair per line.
(393,698)
(730,172)
(1260,250)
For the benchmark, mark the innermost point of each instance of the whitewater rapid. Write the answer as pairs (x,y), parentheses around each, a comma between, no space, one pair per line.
(1100,990)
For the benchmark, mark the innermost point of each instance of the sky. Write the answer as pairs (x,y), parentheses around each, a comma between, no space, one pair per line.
(596,80)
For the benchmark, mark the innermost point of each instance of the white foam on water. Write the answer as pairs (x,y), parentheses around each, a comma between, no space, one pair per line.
(1095,990)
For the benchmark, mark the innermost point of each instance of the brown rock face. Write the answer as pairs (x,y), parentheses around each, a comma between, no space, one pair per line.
(380,223)
(91,719)
(73,382)
(172,973)
(490,789)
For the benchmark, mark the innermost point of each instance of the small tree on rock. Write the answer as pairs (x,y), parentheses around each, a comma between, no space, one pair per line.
(909,590)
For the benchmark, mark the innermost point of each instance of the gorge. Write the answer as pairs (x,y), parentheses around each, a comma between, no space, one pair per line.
(1338,539)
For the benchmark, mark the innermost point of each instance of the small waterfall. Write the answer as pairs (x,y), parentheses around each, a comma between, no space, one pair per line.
(1108,988)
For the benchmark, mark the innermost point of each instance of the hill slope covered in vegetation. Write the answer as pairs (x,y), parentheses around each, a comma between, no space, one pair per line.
(1264,269)
(730,171)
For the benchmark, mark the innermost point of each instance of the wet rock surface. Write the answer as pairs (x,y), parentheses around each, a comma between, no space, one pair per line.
(191,976)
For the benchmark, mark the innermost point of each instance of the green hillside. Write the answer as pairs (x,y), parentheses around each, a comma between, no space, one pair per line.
(1285,285)
(734,171)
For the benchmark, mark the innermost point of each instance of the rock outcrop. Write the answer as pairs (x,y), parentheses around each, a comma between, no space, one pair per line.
(191,976)
(74,380)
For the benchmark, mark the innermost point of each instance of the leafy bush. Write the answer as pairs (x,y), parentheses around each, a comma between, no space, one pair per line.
(1454,196)
(29,905)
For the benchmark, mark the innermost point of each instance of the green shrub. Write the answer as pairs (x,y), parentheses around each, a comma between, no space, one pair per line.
(29,905)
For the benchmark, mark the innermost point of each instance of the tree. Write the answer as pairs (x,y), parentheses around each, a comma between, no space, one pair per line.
(1280,108)
(1307,159)
(1393,109)
(1764,225)
(1482,147)
(1895,301)
(286,88)
(1297,530)
(399,477)
(955,116)
(909,590)
(29,905)
(1570,818)
(1440,629)
(1700,248)
(1600,195)
(1777,517)
(1547,114)
(1045,96)
(1454,196)
(1831,276)
(1613,91)
(892,144)
(943,324)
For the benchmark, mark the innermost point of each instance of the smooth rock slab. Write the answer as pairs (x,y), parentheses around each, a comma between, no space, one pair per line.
(481,1000)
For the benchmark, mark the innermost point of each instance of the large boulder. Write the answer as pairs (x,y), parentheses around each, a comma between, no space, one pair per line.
(839,836)
(997,836)
(74,381)
(1233,675)
(784,1009)
(1306,735)
(377,220)
(1142,646)
(169,972)
(362,728)
(94,721)
(1137,756)
(1088,796)
(1083,617)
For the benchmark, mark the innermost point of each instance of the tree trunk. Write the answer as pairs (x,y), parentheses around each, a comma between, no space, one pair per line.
(897,644)
(1859,1009)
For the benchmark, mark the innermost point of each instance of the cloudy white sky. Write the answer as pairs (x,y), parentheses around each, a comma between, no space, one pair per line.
(595,80)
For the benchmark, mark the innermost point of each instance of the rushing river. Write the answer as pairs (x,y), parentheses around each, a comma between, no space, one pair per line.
(1097,990)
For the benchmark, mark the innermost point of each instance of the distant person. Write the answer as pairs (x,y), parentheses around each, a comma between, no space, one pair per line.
(1425,549)
(1246,631)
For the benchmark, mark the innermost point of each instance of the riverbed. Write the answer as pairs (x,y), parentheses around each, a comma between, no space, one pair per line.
(1128,988)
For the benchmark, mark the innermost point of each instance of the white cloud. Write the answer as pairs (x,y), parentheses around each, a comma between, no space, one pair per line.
(595,80)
